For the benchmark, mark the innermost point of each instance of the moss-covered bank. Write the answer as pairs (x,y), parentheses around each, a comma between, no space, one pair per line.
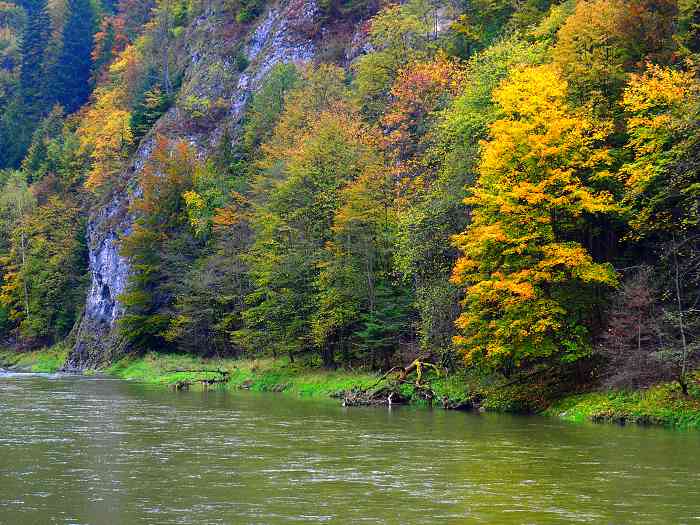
(660,405)
(47,360)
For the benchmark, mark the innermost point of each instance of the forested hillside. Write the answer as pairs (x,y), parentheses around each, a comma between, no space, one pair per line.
(510,187)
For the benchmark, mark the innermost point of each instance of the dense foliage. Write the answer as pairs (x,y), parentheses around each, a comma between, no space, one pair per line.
(489,184)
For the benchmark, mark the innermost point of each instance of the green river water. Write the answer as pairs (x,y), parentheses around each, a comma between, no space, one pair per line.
(79,450)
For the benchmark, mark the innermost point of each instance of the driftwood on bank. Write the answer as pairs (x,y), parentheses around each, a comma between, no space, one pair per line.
(387,389)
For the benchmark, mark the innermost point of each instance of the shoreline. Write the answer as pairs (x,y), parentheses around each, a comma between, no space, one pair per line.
(659,405)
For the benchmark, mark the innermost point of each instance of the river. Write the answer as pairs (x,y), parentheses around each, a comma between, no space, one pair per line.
(81,450)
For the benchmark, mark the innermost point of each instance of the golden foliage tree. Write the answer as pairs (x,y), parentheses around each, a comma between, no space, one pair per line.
(105,133)
(528,284)
(661,186)
(604,39)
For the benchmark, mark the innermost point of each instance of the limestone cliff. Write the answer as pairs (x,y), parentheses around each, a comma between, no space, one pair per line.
(289,31)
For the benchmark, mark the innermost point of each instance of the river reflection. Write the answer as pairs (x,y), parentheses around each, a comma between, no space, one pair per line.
(99,451)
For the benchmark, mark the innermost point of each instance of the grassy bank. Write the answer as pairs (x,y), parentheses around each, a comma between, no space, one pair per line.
(46,360)
(660,405)
(262,375)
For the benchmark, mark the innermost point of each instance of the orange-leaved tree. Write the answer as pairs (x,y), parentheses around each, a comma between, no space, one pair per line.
(529,285)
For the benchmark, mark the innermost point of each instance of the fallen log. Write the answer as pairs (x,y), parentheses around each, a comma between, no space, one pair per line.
(391,394)
(383,396)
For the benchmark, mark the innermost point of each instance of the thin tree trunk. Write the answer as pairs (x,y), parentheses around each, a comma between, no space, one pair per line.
(165,34)
(681,326)
(23,244)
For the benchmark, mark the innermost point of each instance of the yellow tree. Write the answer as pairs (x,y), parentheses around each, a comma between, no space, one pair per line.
(105,133)
(591,52)
(528,283)
(604,39)
(661,190)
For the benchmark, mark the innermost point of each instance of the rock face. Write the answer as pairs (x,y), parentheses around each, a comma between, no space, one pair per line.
(109,271)
(290,31)
(96,341)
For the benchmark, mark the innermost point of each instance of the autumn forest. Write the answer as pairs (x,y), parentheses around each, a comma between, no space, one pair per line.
(507,189)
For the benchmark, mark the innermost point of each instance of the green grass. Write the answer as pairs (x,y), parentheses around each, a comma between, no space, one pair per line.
(662,404)
(46,360)
(261,375)
(166,369)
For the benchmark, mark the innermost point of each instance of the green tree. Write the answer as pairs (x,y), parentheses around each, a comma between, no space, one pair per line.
(148,108)
(74,67)
(33,44)
(26,105)
(293,224)
(363,307)
(36,162)
(44,284)
(16,203)
(267,105)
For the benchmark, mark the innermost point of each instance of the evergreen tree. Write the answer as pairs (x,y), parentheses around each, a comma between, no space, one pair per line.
(35,39)
(27,104)
(74,67)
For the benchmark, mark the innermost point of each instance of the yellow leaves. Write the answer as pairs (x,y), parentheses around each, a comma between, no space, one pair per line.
(124,62)
(322,90)
(532,194)
(487,233)
(537,177)
(560,261)
(656,89)
(105,135)
(193,200)
(538,149)
(463,269)
(530,90)
(195,210)
(506,288)
(662,106)
(590,50)
(539,133)
(653,100)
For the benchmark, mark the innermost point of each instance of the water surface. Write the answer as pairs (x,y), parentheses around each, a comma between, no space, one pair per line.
(77,450)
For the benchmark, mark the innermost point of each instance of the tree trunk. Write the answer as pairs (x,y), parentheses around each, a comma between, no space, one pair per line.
(684,344)
(23,245)
(328,357)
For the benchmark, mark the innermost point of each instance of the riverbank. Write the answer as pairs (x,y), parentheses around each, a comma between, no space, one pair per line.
(662,404)
(46,360)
